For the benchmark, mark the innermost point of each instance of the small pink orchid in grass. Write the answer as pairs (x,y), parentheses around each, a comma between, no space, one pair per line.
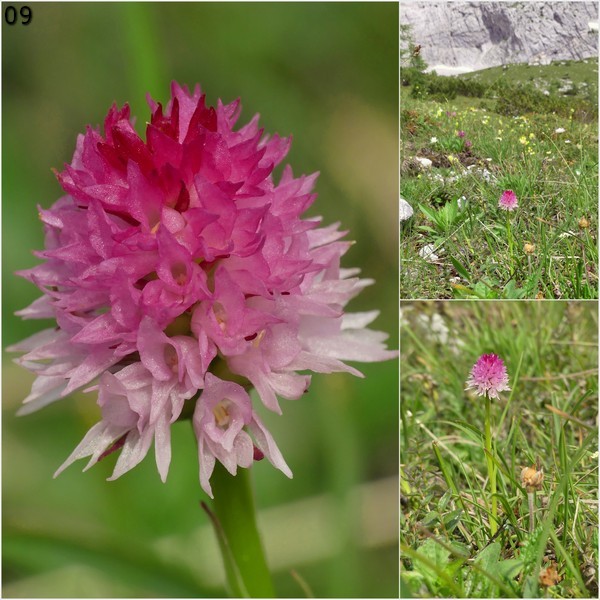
(178,271)
(461,133)
(488,376)
(508,201)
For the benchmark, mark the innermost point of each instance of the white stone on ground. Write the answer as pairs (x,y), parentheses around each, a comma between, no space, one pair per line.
(406,210)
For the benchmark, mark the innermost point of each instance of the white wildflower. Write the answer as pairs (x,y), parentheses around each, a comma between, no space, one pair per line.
(486,175)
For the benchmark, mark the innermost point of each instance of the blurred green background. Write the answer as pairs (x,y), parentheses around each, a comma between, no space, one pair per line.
(326,73)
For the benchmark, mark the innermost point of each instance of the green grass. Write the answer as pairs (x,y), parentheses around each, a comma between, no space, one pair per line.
(555,177)
(550,349)
(551,77)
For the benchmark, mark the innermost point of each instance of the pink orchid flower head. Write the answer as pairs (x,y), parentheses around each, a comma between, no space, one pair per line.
(488,376)
(178,272)
(508,201)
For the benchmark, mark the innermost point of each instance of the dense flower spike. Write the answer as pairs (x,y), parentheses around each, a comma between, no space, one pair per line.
(489,376)
(508,201)
(176,266)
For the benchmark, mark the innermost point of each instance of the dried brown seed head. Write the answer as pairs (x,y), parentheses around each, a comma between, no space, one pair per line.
(549,575)
(532,479)
(583,223)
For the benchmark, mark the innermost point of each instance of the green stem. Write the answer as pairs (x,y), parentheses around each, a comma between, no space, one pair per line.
(531,505)
(246,568)
(510,242)
(491,465)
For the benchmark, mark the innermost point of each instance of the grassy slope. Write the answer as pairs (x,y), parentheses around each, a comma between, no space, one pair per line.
(553,174)
(577,71)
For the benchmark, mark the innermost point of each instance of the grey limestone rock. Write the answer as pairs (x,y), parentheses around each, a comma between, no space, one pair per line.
(476,35)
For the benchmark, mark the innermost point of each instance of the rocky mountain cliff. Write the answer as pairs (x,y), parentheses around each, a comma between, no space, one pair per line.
(465,36)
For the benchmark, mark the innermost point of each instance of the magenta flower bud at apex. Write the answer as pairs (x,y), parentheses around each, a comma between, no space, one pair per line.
(180,274)
(488,376)
(508,200)
(461,134)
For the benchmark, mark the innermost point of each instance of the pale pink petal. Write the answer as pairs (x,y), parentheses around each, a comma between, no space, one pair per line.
(266,444)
